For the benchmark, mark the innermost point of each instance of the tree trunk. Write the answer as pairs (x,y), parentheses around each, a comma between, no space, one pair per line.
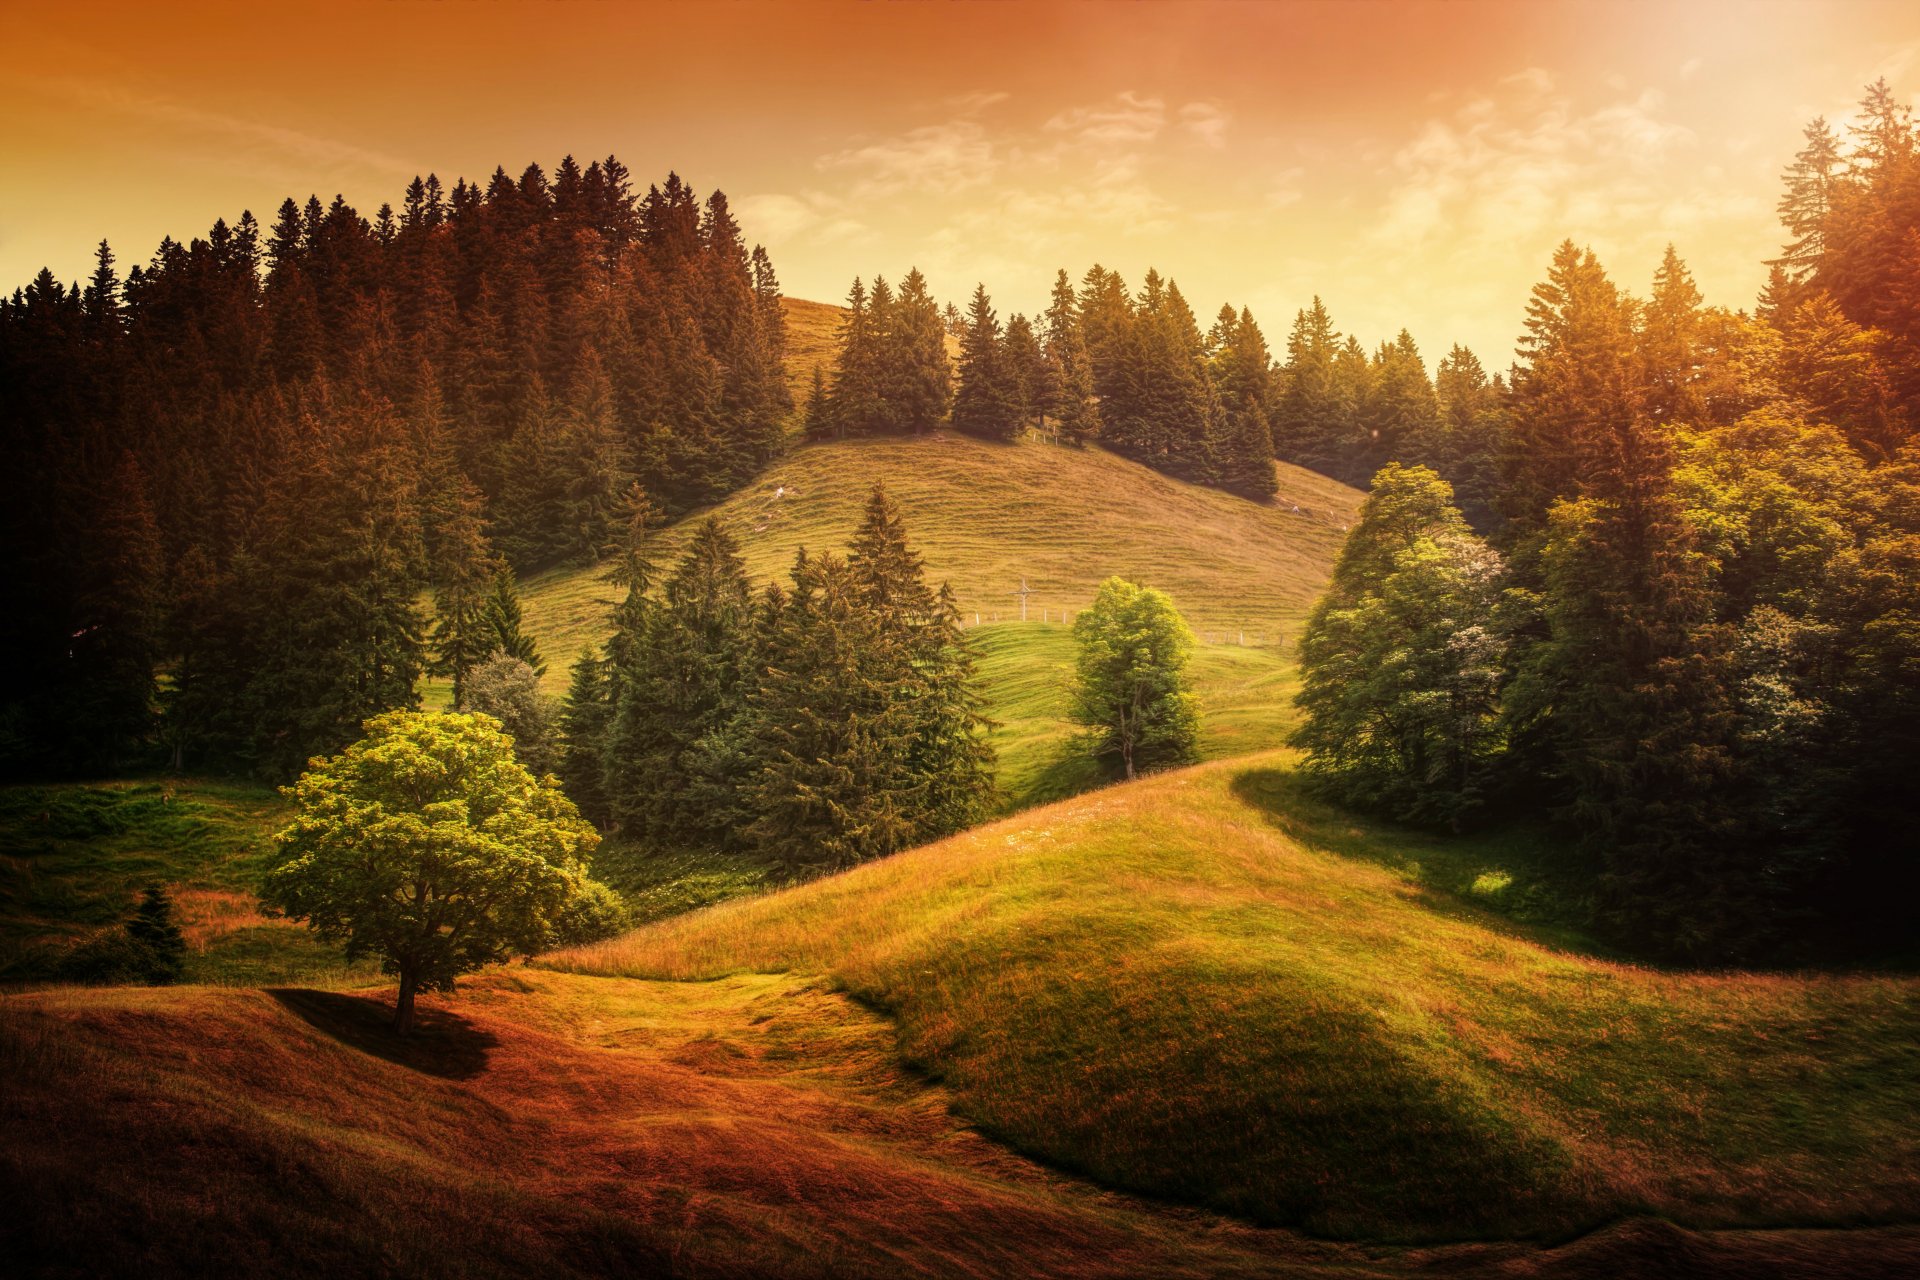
(403,1005)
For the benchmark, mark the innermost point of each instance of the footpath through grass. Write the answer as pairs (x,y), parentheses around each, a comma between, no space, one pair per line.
(1159,986)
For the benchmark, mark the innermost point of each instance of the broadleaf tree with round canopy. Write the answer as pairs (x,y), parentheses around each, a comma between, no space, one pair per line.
(429,845)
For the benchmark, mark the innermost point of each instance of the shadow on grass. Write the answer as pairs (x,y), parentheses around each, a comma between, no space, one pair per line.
(443,1044)
(1070,771)
(1506,876)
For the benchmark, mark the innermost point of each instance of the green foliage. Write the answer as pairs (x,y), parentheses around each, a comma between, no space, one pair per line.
(1402,658)
(677,684)
(508,689)
(1132,691)
(427,845)
(986,397)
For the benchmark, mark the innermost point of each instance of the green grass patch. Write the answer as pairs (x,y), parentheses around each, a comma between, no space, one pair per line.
(73,859)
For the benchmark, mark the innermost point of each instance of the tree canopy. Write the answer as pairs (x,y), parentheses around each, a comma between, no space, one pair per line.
(427,845)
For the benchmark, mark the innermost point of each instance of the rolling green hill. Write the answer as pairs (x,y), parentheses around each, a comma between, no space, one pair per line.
(987,516)
(1179,988)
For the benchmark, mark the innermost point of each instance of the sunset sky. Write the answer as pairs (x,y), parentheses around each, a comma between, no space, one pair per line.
(1413,164)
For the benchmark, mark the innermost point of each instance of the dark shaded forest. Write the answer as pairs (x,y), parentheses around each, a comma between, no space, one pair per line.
(1684,620)
(241,464)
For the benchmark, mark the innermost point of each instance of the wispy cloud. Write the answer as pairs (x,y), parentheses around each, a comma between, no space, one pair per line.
(941,159)
(1206,121)
(1127,119)
(259,143)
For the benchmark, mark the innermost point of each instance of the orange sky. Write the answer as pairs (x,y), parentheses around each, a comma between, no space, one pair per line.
(1412,163)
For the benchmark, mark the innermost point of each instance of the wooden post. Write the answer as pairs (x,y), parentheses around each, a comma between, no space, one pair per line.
(1023,593)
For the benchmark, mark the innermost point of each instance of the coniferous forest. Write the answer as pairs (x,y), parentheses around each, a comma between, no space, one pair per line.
(242,461)
(527,750)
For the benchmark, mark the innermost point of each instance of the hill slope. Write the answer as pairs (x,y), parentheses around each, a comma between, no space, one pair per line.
(1160,987)
(986,516)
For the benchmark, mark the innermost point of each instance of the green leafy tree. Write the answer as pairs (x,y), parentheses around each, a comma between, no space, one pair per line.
(1132,691)
(1401,660)
(426,844)
(509,690)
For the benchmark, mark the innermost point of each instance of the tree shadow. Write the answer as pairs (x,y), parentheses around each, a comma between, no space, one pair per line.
(1504,877)
(442,1044)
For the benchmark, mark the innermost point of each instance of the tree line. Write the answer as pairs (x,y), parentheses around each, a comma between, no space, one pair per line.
(231,473)
(1137,374)
(1693,634)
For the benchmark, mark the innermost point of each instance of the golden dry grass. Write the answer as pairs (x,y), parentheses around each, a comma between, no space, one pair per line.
(555,1125)
(1158,986)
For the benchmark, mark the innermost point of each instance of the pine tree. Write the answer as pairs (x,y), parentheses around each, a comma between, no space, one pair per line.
(1309,421)
(1026,372)
(856,395)
(833,780)
(918,387)
(1811,181)
(503,617)
(1242,372)
(585,715)
(682,682)
(464,574)
(816,419)
(162,947)
(1069,378)
(984,401)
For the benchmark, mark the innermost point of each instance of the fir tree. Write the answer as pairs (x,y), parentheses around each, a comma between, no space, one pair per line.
(503,616)
(983,402)
(585,714)
(1069,377)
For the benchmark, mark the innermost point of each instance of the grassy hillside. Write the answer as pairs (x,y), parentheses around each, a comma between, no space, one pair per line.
(1245,695)
(1178,987)
(74,858)
(813,335)
(554,1125)
(987,515)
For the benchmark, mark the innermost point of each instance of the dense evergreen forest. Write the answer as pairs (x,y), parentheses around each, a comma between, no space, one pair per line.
(1691,632)
(244,461)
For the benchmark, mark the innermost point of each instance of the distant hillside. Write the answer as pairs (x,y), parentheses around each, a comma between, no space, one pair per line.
(1205,987)
(988,516)
(813,335)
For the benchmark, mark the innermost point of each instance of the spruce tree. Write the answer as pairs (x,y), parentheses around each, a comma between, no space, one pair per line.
(162,948)
(833,781)
(504,618)
(585,714)
(1069,377)
(983,402)
(918,382)
(679,681)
